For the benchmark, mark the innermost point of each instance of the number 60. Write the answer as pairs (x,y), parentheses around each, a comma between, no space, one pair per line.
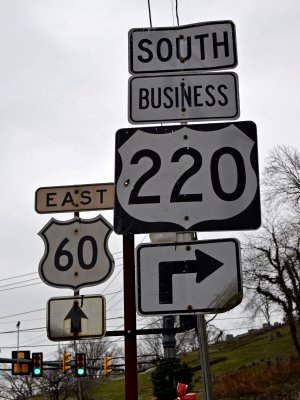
(62,253)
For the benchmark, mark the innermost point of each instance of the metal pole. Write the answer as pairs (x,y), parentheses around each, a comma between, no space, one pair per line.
(169,339)
(131,383)
(76,293)
(18,340)
(205,369)
(18,335)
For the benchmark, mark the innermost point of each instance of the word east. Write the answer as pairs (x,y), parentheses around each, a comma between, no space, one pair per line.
(82,198)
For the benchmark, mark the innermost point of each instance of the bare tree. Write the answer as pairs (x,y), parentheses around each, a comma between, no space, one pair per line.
(258,305)
(272,256)
(150,347)
(272,261)
(15,387)
(186,342)
(282,176)
(55,385)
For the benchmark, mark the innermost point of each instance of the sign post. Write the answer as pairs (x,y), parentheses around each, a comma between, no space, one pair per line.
(131,384)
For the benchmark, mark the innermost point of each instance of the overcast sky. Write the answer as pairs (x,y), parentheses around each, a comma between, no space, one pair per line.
(63,95)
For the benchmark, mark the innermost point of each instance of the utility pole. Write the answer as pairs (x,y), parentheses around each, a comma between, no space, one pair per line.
(18,335)
(205,368)
(76,293)
(169,340)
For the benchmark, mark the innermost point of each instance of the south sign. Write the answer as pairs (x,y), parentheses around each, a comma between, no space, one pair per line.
(202,46)
(187,178)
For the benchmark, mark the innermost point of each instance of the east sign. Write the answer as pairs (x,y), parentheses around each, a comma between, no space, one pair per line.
(202,46)
(75,198)
(187,178)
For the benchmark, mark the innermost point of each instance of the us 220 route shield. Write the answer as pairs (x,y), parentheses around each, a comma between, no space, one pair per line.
(187,178)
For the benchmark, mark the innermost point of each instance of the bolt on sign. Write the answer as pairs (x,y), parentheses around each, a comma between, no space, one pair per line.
(74,198)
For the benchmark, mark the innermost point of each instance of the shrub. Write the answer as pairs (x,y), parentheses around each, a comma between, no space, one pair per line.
(168,373)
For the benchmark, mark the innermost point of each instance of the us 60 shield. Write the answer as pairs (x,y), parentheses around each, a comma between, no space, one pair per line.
(76,252)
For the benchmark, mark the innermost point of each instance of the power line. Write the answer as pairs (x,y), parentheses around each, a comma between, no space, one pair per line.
(25,312)
(18,276)
(18,287)
(149,9)
(16,283)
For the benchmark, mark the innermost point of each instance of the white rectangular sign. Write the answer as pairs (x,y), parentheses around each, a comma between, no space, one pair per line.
(190,277)
(202,46)
(190,97)
(55,199)
(76,317)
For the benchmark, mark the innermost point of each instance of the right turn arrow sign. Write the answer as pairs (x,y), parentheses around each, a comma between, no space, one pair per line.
(189,277)
(204,265)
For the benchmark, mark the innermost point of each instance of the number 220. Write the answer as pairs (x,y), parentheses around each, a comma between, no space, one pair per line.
(176,195)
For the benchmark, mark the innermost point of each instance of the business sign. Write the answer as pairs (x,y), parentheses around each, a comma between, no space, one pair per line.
(189,97)
(202,46)
(55,199)
(76,317)
(76,252)
(187,178)
(190,277)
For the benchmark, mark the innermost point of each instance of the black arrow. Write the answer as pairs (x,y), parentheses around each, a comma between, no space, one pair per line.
(204,265)
(76,314)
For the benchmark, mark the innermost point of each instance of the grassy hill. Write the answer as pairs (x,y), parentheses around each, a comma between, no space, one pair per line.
(260,362)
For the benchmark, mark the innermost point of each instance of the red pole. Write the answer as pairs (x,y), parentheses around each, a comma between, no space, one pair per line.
(131,383)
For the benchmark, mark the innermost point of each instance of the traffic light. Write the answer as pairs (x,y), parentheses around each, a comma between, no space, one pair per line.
(188,322)
(37,364)
(18,368)
(106,365)
(80,365)
(65,362)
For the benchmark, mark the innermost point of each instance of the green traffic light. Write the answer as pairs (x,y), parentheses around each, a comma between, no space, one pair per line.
(36,371)
(80,371)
